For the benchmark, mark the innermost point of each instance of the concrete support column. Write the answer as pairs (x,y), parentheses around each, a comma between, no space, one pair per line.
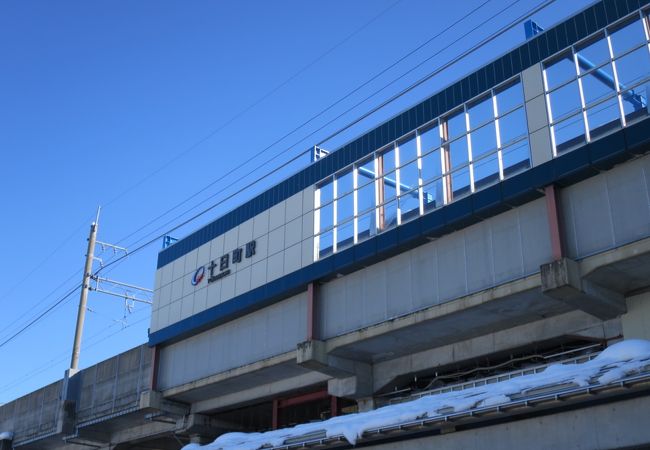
(636,322)
(554,221)
(312,332)
(366,404)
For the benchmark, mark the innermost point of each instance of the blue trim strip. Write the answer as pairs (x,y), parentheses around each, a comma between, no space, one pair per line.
(531,52)
(565,170)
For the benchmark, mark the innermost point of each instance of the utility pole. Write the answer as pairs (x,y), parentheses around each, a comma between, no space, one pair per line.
(83,298)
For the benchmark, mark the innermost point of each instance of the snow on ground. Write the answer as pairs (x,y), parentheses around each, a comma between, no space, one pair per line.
(616,362)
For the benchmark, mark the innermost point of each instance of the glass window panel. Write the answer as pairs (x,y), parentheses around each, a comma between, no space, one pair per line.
(560,71)
(388,158)
(326,217)
(433,195)
(390,214)
(565,100)
(366,196)
(627,37)
(603,118)
(596,85)
(326,192)
(569,133)
(408,151)
(460,183)
(344,235)
(431,165)
(456,125)
(366,225)
(509,97)
(366,170)
(389,186)
(513,126)
(408,176)
(516,158)
(486,171)
(593,54)
(409,205)
(484,140)
(631,107)
(458,152)
(633,67)
(344,183)
(326,244)
(344,208)
(481,112)
(429,138)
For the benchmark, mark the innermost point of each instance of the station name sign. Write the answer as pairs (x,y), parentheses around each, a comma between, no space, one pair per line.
(221,267)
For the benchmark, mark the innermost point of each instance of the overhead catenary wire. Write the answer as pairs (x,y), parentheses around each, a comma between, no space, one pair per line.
(275,170)
(39,317)
(445,66)
(232,119)
(264,164)
(211,134)
(448,64)
(321,113)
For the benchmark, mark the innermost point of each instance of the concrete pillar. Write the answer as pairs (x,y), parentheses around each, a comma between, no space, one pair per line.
(636,322)
(366,404)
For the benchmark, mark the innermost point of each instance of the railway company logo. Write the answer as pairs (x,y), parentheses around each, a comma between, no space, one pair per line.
(198,275)
(223,264)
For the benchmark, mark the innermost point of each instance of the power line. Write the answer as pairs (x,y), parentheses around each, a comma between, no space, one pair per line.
(323,126)
(64,355)
(255,103)
(14,324)
(205,138)
(393,98)
(319,114)
(39,317)
(440,69)
(275,170)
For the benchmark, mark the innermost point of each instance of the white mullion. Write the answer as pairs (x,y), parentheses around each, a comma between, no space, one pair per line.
(334,214)
(470,160)
(398,190)
(583,106)
(495,110)
(377,180)
(619,97)
(355,211)
(443,166)
(317,225)
(549,110)
(418,152)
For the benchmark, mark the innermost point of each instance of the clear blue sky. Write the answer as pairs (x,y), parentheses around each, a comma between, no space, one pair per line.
(130,105)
